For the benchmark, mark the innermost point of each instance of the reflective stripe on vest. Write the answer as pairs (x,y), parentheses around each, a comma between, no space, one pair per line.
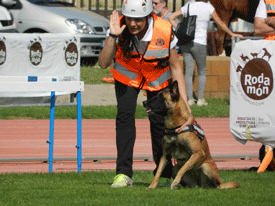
(121,69)
(132,75)
(164,77)
(156,53)
(270,7)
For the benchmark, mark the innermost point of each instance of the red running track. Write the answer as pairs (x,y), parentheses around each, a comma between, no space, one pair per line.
(27,139)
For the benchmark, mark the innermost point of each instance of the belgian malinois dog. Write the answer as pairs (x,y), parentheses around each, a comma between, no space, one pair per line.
(195,166)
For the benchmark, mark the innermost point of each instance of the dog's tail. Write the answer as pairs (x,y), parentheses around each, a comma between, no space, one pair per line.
(228,185)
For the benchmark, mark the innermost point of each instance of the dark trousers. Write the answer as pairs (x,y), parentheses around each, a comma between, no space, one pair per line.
(126,130)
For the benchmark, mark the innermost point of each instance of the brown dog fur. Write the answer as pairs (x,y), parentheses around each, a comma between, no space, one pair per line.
(194,161)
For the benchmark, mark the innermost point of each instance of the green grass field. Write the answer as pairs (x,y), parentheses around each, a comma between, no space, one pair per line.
(216,108)
(93,188)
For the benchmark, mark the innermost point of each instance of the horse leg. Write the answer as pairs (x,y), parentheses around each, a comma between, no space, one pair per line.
(225,17)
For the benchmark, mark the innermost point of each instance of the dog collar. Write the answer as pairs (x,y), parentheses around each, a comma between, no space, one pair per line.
(195,128)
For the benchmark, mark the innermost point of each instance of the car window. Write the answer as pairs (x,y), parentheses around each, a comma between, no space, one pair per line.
(38,1)
(50,3)
(35,1)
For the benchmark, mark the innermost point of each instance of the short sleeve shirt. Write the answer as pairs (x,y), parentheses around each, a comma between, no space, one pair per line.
(261,10)
(203,11)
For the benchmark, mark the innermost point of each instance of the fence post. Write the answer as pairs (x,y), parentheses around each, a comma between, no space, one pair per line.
(79,132)
(114,4)
(50,141)
(90,5)
(106,8)
(97,5)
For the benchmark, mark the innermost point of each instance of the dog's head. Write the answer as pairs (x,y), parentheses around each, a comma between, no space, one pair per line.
(164,101)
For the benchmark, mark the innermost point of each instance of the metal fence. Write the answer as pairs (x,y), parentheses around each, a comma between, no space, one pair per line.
(105,7)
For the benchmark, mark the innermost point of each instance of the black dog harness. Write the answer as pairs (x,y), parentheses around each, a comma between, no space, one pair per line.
(195,128)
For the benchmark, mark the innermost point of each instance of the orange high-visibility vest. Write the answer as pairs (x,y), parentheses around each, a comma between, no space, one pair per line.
(270,9)
(148,71)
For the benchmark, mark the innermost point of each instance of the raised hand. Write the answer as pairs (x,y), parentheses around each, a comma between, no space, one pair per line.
(115,27)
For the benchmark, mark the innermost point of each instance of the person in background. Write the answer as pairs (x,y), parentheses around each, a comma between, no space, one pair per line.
(264,21)
(264,25)
(196,49)
(160,9)
(133,40)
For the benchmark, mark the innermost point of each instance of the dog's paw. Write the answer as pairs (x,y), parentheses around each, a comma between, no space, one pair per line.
(152,187)
(175,185)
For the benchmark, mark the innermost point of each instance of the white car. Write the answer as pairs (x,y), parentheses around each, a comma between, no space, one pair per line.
(50,16)
(6,21)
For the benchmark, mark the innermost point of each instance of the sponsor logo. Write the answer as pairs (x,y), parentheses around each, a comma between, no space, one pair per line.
(255,85)
(256,77)
(36,51)
(3,51)
(71,52)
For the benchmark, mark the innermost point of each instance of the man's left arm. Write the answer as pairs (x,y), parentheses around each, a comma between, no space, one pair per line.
(270,21)
(263,27)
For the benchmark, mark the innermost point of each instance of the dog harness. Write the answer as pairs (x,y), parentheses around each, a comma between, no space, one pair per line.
(195,128)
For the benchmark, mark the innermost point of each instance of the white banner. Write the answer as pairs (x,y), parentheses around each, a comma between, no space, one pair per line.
(252,97)
(39,58)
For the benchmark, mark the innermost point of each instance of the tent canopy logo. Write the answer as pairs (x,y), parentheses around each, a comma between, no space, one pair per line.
(256,76)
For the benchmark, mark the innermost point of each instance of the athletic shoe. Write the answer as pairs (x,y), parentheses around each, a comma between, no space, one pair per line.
(164,182)
(122,180)
(191,102)
(202,102)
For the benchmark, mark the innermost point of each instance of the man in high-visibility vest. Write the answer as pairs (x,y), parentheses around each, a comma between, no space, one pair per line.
(264,21)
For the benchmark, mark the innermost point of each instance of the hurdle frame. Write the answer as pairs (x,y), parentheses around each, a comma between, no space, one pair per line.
(54,86)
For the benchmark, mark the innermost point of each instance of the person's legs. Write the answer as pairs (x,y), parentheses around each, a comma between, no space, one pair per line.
(125,127)
(199,53)
(189,68)
(157,133)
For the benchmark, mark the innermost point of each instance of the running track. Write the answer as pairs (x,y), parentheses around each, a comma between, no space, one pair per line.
(27,139)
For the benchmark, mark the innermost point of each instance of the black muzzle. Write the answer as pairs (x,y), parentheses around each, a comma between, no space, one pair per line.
(156,105)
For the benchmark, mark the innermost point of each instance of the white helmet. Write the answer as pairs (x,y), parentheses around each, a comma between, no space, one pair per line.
(137,8)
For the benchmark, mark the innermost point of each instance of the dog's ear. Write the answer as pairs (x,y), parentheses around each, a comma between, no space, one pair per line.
(175,95)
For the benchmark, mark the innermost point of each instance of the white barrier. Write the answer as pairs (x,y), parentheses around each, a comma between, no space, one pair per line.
(41,65)
(41,86)
(44,56)
(252,97)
